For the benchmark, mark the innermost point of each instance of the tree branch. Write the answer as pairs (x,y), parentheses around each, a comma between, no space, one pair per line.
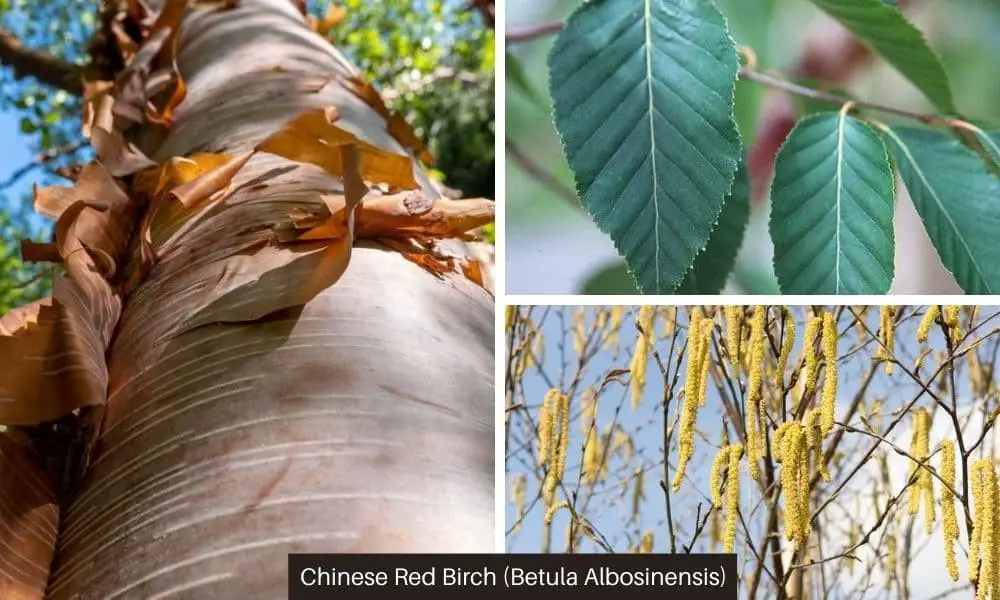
(46,68)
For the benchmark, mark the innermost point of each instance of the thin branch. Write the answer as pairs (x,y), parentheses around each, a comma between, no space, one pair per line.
(808,92)
(39,160)
(539,173)
(46,68)
(533,32)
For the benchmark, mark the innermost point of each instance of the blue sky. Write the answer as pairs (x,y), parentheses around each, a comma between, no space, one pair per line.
(610,508)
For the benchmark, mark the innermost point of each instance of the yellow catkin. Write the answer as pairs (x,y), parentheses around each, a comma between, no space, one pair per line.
(557,423)
(715,529)
(715,478)
(809,350)
(887,333)
(802,456)
(705,359)
(795,483)
(924,488)
(988,541)
(814,442)
(692,389)
(615,316)
(925,323)
(563,437)
(552,510)
(640,359)
(510,317)
(593,452)
(830,380)
(580,329)
(545,426)
(518,488)
(646,544)
(950,316)
(732,498)
(948,516)
(621,443)
(978,517)
(638,494)
(776,440)
(890,560)
(734,321)
(588,409)
(754,426)
(786,347)
(668,321)
(602,319)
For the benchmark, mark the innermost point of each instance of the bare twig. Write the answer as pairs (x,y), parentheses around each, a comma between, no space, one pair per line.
(46,68)
(533,32)
(40,159)
(544,177)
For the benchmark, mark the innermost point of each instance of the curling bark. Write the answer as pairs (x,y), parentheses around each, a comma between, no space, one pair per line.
(359,421)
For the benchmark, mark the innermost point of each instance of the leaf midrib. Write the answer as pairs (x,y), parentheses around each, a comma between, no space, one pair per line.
(840,185)
(652,138)
(947,215)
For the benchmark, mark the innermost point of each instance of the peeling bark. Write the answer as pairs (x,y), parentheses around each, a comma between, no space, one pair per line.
(359,422)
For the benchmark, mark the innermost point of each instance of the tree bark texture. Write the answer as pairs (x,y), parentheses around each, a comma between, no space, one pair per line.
(359,422)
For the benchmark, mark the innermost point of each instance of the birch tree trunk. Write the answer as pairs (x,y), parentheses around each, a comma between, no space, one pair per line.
(359,422)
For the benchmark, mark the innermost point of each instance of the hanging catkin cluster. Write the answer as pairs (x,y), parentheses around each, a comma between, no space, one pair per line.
(950,317)
(786,346)
(885,333)
(924,328)
(644,326)
(984,550)
(790,448)
(754,409)
(948,516)
(830,380)
(814,441)
(553,439)
(510,317)
(699,350)
(924,487)
(728,456)
(809,350)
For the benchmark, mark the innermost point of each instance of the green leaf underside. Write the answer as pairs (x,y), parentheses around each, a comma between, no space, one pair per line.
(831,209)
(884,29)
(643,99)
(958,201)
(713,265)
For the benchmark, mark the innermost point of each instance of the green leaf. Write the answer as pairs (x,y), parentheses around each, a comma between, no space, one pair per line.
(885,30)
(711,268)
(643,98)
(958,200)
(613,278)
(831,209)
